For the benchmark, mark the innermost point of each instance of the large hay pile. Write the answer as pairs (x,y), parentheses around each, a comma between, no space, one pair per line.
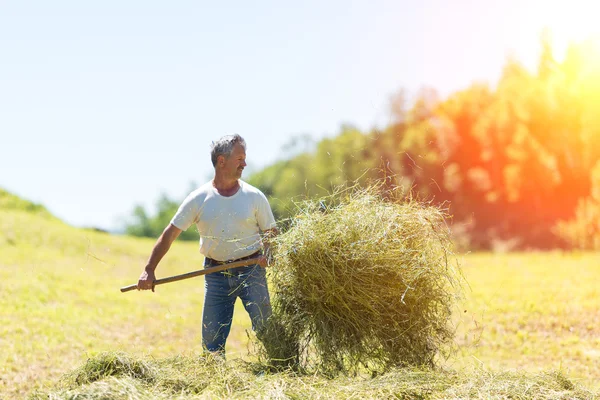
(367,283)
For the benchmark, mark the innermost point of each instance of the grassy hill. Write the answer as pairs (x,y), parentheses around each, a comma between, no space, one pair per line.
(60,299)
(9,201)
(525,316)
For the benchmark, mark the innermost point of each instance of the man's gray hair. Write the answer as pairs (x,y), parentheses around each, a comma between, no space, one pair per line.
(224,147)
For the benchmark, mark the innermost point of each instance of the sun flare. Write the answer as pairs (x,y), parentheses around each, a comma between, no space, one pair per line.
(571,22)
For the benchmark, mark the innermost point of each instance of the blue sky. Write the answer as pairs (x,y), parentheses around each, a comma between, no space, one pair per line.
(106,104)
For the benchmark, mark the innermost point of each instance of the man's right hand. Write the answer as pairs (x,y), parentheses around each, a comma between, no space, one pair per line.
(146,281)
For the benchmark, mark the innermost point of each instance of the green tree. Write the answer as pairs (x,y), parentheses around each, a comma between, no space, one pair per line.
(141,224)
(583,230)
(509,161)
(334,162)
(522,156)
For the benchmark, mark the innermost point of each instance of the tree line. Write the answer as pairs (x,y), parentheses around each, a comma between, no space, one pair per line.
(516,165)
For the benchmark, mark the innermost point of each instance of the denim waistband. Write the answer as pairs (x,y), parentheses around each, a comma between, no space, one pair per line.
(213,262)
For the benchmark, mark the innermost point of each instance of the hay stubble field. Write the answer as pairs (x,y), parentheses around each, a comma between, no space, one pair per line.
(60,305)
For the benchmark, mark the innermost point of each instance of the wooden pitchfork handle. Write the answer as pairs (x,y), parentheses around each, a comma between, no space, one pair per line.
(210,270)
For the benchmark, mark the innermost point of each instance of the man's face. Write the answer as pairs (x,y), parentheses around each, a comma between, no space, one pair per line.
(235,163)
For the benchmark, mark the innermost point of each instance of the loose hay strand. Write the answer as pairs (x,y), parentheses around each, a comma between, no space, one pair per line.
(364,283)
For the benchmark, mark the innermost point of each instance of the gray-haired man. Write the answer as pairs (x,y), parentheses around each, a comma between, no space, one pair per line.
(231,216)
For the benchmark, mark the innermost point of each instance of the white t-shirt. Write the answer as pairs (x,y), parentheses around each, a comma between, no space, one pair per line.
(229,227)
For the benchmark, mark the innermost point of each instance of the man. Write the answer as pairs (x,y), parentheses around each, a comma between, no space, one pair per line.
(231,216)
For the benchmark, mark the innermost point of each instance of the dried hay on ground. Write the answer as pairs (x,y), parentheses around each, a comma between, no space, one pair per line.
(120,376)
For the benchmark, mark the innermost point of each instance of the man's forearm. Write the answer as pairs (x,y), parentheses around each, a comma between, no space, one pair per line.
(162,246)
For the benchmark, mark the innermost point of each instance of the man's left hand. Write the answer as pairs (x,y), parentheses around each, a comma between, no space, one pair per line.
(263,261)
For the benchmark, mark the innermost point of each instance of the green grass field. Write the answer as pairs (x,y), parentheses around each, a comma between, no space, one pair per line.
(60,304)
(532,312)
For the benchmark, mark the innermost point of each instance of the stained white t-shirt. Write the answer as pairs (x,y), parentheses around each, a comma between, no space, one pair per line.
(229,227)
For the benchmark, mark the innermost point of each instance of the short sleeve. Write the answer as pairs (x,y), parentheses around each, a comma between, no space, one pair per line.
(264,215)
(187,214)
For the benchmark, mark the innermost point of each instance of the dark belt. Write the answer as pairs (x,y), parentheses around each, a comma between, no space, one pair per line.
(213,262)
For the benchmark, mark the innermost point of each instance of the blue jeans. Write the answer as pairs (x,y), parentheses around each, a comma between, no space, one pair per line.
(221,289)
